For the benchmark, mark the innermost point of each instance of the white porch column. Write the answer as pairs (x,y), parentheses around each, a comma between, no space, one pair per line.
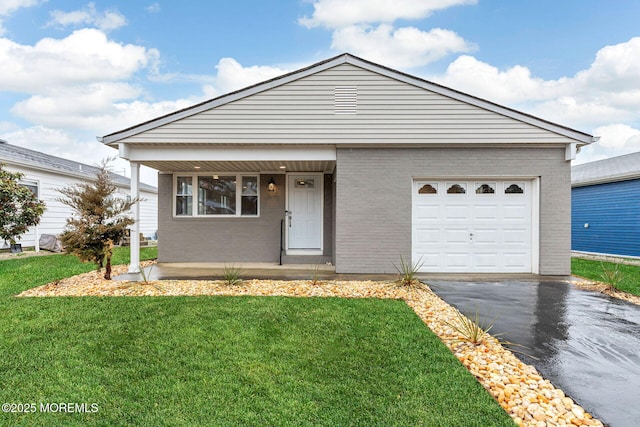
(134,240)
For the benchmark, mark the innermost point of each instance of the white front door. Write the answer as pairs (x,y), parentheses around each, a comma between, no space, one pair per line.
(473,225)
(305,211)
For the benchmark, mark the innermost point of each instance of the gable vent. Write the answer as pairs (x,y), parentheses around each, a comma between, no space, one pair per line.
(345,100)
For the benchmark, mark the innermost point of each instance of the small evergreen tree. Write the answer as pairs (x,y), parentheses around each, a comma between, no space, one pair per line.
(99,219)
(19,207)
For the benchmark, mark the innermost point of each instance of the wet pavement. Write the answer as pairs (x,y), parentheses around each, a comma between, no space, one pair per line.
(584,342)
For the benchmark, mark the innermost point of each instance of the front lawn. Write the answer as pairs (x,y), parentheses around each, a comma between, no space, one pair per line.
(592,270)
(225,360)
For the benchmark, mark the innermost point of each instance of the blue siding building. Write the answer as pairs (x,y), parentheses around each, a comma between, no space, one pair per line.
(605,203)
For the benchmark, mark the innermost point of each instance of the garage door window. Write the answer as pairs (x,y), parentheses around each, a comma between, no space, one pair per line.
(514,188)
(428,189)
(456,188)
(485,188)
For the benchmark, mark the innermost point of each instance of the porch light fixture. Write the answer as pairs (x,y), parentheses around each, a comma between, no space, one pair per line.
(271,185)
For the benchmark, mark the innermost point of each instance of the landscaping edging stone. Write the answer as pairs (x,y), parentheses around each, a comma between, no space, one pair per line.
(528,398)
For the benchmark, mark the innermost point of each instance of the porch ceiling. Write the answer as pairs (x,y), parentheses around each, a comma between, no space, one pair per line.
(326,166)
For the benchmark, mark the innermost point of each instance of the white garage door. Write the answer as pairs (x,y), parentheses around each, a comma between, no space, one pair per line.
(482,226)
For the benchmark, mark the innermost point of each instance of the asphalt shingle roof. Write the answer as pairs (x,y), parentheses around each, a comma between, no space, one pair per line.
(14,154)
(618,168)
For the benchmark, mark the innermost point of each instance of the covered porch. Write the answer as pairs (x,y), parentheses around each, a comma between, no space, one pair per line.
(236,204)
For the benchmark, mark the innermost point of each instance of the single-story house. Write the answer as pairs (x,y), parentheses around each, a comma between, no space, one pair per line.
(45,174)
(350,162)
(605,206)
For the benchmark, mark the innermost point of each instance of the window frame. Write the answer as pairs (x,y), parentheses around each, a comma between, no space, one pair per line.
(196,194)
(28,183)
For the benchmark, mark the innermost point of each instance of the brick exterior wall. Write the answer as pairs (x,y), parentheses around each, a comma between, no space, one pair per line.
(373,199)
(230,239)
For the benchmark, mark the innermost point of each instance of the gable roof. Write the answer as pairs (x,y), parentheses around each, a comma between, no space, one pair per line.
(34,159)
(620,168)
(581,138)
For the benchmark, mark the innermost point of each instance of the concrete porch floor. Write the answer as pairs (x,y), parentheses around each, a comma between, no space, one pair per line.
(273,271)
(252,270)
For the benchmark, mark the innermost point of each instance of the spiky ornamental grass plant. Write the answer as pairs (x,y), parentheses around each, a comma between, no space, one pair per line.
(472,330)
(408,271)
(315,277)
(99,219)
(19,207)
(611,275)
(232,275)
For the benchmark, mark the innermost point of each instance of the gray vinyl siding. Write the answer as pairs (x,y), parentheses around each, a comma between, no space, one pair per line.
(230,239)
(374,203)
(388,110)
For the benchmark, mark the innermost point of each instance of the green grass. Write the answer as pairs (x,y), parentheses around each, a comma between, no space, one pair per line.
(22,273)
(228,361)
(592,270)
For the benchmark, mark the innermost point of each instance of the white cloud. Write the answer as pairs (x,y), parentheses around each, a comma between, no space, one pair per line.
(75,106)
(232,75)
(406,47)
(7,7)
(57,142)
(364,28)
(85,56)
(39,137)
(342,13)
(108,20)
(513,85)
(80,82)
(153,8)
(615,68)
(615,140)
(607,92)
(99,108)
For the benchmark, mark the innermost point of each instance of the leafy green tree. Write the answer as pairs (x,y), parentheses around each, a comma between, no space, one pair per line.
(99,219)
(19,207)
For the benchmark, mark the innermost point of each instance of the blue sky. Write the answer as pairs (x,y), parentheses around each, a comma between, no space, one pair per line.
(74,70)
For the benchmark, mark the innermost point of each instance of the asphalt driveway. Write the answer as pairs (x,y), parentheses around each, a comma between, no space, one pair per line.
(586,343)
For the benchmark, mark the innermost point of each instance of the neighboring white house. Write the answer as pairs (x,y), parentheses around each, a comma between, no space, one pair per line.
(45,174)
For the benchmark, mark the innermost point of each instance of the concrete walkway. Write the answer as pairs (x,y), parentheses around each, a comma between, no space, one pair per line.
(584,342)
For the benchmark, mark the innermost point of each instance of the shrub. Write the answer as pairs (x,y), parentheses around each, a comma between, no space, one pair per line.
(19,207)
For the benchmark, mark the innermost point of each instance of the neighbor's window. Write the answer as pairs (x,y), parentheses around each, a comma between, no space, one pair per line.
(31,185)
(217,195)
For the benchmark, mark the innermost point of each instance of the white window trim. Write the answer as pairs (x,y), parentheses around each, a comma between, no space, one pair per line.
(31,183)
(194,194)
